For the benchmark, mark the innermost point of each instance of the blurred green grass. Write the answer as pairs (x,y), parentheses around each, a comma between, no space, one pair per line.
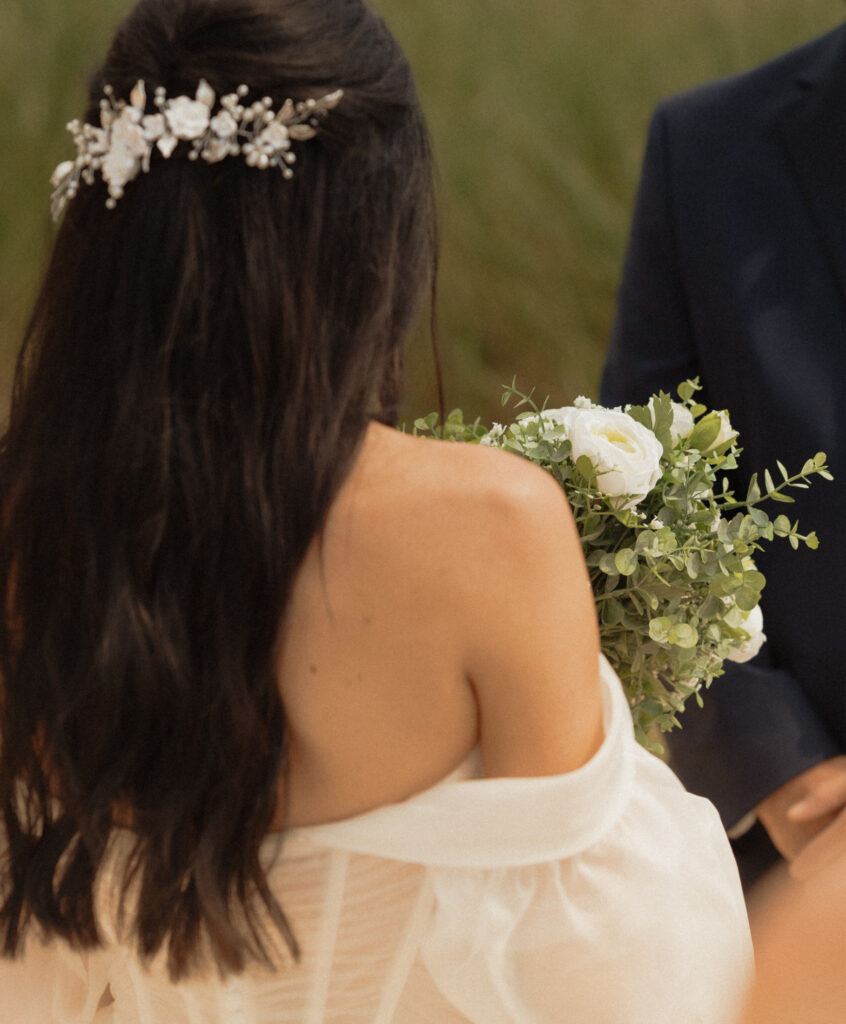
(538,109)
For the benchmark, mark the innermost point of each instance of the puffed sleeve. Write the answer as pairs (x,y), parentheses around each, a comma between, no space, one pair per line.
(645,926)
(52,984)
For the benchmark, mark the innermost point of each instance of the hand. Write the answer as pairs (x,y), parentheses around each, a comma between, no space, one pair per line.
(828,798)
(802,809)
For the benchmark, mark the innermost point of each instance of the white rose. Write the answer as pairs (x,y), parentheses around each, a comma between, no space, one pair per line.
(727,432)
(753,624)
(625,454)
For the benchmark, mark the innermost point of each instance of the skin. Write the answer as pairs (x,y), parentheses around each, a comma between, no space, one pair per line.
(806,818)
(800,949)
(445,605)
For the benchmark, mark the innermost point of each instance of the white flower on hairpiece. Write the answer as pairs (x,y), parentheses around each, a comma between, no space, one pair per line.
(124,143)
(126,147)
(154,126)
(275,136)
(119,167)
(127,134)
(224,125)
(215,151)
(187,119)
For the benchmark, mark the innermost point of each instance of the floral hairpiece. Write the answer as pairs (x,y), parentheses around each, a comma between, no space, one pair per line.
(123,144)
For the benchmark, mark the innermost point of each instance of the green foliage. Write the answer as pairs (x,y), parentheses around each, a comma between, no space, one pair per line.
(672,567)
(453,429)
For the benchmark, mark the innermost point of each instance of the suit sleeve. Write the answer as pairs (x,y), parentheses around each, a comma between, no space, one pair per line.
(652,346)
(757,729)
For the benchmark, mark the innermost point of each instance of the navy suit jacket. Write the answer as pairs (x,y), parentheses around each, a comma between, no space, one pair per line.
(736,273)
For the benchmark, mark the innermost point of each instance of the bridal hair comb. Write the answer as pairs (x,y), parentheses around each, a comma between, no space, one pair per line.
(123,145)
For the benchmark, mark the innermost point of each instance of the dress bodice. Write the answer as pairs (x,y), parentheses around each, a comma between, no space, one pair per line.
(606,895)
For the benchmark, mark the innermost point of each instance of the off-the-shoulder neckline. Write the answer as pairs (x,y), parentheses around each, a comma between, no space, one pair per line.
(464,820)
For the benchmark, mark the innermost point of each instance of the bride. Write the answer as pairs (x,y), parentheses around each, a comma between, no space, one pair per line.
(302,719)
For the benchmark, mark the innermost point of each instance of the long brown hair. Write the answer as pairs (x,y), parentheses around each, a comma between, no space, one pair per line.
(198,372)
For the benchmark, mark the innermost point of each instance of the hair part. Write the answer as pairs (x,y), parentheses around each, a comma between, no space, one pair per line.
(197,375)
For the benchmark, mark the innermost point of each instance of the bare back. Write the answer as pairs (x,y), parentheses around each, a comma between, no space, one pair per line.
(398,655)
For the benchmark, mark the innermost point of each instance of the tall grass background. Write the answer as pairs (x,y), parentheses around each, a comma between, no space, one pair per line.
(538,110)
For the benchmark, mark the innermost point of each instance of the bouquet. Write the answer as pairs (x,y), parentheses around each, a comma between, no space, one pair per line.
(669,547)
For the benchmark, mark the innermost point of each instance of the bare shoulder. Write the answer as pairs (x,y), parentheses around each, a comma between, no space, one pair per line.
(445,605)
(492,520)
(496,490)
(496,540)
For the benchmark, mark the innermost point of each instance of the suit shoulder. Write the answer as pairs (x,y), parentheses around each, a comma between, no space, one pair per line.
(757,89)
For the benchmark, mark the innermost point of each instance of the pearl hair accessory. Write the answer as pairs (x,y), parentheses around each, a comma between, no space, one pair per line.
(123,144)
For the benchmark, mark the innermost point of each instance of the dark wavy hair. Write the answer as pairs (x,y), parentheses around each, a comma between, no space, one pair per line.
(196,378)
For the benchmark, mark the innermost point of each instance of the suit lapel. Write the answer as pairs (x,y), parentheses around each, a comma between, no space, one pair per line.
(813,128)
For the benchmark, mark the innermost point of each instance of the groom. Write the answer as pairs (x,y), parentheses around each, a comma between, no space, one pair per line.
(736,273)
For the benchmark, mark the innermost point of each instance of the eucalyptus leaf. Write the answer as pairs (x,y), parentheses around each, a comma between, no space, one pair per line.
(625,562)
(683,635)
(705,432)
(746,598)
(613,612)
(586,470)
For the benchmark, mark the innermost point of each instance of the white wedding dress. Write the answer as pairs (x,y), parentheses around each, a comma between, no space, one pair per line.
(605,896)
